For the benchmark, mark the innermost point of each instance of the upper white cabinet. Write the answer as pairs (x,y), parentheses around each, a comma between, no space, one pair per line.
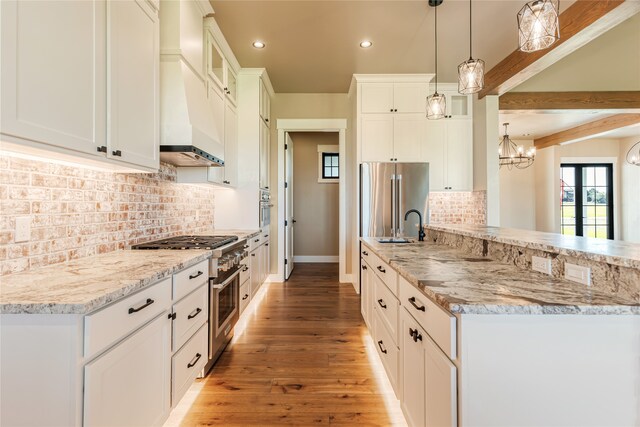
(388,137)
(264,155)
(458,106)
(81,79)
(449,150)
(265,103)
(394,97)
(218,67)
(133,54)
(227,175)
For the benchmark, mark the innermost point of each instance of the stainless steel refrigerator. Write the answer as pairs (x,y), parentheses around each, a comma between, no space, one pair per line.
(387,192)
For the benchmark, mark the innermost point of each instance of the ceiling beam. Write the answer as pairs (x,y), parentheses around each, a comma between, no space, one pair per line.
(582,22)
(551,101)
(588,130)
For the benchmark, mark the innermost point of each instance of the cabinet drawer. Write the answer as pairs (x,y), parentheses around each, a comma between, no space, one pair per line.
(365,254)
(387,305)
(245,295)
(439,324)
(190,313)
(118,320)
(189,279)
(387,351)
(187,363)
(388,275)
(244,270)
(254,242)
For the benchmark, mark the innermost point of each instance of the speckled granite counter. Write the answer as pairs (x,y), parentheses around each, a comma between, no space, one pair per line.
(81,286)
(463,283)
(614,252)
(242,234)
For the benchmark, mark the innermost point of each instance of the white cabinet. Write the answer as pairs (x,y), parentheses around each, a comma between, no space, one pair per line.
(265,103)
(254,268)
(377,137)
(228,174)
(440,387)
(394,97)
(83,81)
(397,137)
(218,67)
(408,137)
(448,148)
(129,385)
(54,74)
(132,97)
(264,155)
(366,293)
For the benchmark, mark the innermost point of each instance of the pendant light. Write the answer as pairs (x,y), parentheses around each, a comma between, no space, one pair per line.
(538,25)
(633,156)
(512,155)
(471,71)
(436,103)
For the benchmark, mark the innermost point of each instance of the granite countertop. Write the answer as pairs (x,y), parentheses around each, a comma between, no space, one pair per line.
(242,234)
(81,286)
(613,252)
(466,284)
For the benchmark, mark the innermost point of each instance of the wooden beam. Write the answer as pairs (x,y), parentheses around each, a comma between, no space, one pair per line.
(588,129)
(550,101)
(582,22)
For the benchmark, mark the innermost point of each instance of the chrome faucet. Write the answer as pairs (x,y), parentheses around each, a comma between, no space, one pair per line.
(421,232)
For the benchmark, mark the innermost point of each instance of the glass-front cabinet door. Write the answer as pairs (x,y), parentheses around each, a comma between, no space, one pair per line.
(231,83)
(215,61)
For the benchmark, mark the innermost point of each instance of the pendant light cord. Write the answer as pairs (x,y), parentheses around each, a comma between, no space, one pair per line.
(436,31)
(470,21)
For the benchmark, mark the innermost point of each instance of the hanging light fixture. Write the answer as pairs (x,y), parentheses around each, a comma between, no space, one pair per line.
(471,71)
(538,25)
(512,155)
(633,156)
(436,103)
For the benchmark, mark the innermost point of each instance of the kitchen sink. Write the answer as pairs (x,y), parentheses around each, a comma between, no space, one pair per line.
(395,240)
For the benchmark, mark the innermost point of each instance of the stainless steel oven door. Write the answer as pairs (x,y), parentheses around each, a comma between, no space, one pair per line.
(223,313)
(265,214)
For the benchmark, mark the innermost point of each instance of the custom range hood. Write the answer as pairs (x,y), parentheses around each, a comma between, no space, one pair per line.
(189,136)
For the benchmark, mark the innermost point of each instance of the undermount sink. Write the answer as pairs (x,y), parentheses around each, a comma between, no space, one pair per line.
(394,240)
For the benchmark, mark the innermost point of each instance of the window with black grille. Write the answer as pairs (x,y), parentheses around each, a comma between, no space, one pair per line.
(330,166)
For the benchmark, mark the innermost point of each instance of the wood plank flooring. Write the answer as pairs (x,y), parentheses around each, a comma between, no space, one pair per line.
(303,359)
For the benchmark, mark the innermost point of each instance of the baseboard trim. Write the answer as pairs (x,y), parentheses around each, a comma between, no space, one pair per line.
(305,258)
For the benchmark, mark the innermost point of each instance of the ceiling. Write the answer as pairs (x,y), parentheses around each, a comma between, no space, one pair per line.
(313,46)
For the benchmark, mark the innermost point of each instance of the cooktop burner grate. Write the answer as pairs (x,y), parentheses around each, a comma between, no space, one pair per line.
(188,242)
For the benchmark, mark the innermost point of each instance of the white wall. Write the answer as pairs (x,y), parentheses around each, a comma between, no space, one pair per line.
(518,195)
(547,193)
(629,194)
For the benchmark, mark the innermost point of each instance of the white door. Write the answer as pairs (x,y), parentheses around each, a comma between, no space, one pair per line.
(215,97)
(433,153)
(254,269)
(413,366)
(377,137)
(130,384)
(230,146)
(288,208)
(440,387)
(410,98)
(459,146)
(53,73)
(264,155)
(377,97)
(408,137)
(365,293)
(133,85)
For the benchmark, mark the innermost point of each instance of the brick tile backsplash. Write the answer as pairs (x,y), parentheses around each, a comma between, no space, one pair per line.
(79,212)
(458,207)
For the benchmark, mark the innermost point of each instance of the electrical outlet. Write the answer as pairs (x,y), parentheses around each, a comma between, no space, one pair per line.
(23,229)
(577,273)
(542,265)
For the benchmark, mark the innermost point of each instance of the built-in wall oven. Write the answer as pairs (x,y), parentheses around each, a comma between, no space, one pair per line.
(265,208)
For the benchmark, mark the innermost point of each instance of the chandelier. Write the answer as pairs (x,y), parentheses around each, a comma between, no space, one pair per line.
(538,25)
(471,71)
(436,103)
(633,156)
(512,155)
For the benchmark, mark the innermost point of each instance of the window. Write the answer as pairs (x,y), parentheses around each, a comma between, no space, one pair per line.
(587,200)
(330,166)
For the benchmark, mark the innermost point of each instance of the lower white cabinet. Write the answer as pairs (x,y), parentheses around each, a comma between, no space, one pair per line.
(187,363)
(366,293)
(129,384)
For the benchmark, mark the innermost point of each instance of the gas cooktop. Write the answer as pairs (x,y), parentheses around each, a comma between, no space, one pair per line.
(188,242)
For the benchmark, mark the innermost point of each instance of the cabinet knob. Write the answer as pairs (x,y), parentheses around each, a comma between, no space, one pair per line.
(226,182)
(117,153)
(102,149)
(266,120)
(391,110)
(395,110)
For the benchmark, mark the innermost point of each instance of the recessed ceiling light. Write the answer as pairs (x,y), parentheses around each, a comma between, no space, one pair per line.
(365,44)
(258,44)
(526,134)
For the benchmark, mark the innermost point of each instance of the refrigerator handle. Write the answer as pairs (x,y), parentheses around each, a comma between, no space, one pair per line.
(399,225)
(393,206)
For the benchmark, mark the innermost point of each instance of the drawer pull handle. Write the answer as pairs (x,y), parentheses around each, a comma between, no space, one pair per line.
(195,313)
(256,241)
(245,297)
(246,246)
(415,335)
(412,300)
(382,349)
(365,253)
(364,267)
(245,269)
(192,364)
(200,273)
(382,304)
(381,270)
(145,305)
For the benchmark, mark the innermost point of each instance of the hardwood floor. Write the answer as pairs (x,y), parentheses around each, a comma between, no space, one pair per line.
(305,358)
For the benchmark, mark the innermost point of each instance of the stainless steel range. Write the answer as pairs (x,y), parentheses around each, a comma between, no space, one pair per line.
(224,283)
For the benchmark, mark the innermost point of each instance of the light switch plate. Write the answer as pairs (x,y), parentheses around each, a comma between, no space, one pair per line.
(577,273)
(540,264)
(23,229)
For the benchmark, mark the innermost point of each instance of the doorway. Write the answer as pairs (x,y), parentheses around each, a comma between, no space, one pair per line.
(286,213)
(312,176)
